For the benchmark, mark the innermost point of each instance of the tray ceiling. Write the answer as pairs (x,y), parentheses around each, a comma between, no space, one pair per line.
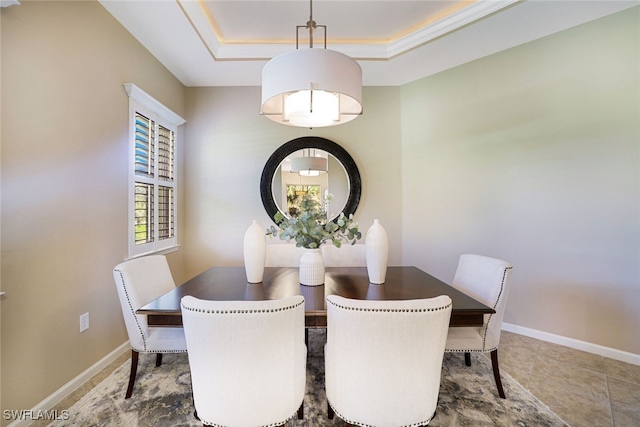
(226,43)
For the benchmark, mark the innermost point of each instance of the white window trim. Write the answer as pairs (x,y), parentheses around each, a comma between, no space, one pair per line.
(146,100)
(141,102)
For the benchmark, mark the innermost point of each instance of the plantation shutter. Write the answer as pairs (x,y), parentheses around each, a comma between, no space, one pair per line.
(153,216)
(144,145)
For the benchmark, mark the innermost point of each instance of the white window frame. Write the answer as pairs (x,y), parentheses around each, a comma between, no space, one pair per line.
(142,103)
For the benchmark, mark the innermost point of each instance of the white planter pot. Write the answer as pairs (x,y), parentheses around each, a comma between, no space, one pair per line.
(377,252)
(255,252)
(311,268)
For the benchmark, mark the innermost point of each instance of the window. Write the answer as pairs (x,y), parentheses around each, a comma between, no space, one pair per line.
(295,193)
(152,174)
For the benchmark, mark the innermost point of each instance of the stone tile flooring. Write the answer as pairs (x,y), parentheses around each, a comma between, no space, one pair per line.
(581,388)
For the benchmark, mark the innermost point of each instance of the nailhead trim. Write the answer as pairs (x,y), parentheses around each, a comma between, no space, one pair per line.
(484,335)
(253,311)
(206,423)
(419,423)
(135,316)
(486,328)
(151,351)
(391,310)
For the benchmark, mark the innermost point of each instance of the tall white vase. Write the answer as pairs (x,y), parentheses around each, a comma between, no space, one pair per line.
(255,252)
(377,252)
(311,268)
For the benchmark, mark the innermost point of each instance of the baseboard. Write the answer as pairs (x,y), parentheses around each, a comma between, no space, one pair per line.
(609,352)
(76,382)
(64,391)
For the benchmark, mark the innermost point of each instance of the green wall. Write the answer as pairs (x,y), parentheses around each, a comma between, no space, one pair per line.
(531,155)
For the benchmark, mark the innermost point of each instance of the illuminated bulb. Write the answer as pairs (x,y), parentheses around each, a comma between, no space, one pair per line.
(301,111)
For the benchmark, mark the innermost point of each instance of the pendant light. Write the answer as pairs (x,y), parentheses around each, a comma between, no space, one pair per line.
(311,87)
(308,164)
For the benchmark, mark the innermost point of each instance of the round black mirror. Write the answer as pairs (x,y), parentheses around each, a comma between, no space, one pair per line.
(274,163)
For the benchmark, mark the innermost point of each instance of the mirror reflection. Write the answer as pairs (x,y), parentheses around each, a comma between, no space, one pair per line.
(310,164)
(314,172)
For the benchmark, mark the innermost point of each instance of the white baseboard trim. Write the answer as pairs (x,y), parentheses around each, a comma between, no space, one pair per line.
(609,352)
(64,391)
(76,382)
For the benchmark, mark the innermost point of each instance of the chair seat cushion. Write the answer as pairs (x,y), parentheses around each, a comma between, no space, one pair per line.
(164,340)
(464,339)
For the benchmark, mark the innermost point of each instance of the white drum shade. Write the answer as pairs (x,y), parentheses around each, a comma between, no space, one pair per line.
(311,88)
(309,166)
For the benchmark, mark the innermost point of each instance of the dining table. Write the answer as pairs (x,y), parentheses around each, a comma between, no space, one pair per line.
(230,284)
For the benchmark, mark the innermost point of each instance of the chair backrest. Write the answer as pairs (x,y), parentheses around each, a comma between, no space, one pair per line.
(283,255)
(487,280)
(288,255)
(345,256)
(140,281)
(247,359)
(383,359)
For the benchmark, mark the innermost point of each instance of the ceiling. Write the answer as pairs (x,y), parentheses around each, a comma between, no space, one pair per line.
(226,43)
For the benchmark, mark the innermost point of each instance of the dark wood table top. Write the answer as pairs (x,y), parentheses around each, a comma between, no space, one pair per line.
(230,283)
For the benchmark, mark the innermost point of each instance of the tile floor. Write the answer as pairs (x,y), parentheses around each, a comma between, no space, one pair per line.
(583,389)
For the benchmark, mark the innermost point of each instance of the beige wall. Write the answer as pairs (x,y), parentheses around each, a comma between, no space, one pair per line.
(532,155)
(229,144)
(64,188)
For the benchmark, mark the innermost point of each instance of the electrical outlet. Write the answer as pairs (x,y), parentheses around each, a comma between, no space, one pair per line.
(84,322)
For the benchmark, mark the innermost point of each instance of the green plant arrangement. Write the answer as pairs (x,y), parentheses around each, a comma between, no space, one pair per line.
(311,228)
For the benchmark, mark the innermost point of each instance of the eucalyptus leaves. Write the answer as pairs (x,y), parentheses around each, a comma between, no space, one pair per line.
(310,228)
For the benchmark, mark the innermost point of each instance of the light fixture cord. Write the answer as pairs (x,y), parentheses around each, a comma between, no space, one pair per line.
(311,27)
(311,24)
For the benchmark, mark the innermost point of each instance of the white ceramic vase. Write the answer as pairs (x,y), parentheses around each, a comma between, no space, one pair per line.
(311,268)
(255,252)
(377,252)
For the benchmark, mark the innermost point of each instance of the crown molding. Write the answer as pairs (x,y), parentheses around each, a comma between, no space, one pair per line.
(143,98)
(7,3)
(451,23)
(221,51)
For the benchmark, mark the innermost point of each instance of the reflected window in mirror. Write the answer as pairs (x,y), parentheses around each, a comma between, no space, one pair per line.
(295,193)
(291,184)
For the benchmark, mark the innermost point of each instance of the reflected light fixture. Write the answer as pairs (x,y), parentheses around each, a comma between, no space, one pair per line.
(311,87)
(308,165)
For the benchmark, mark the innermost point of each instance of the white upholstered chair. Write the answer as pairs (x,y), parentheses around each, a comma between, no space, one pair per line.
(247,360)
(383,359)
(486,280)
(140,281)
(283,255)
(288,255)
(345,256)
